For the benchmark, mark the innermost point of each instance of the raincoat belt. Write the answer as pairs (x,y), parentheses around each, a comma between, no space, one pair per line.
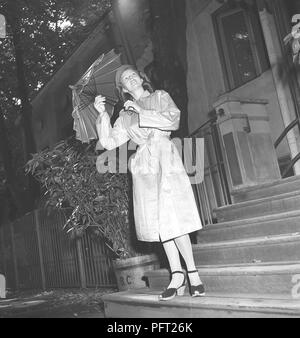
(151,140)
(148,155)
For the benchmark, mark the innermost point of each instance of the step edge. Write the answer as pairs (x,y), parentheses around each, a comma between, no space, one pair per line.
(289,237)
(250,203)
(249,221)
(236,271)
(276,183)
(288,306)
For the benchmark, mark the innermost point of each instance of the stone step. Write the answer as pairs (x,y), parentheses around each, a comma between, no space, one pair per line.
(144,303)
(261,279)
(269,189)
(269,225)
(260,207)
(259,249)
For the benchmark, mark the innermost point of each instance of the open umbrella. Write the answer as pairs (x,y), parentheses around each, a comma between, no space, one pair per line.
(99,79)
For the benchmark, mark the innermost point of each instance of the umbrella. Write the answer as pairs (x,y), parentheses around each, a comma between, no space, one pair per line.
(99,79)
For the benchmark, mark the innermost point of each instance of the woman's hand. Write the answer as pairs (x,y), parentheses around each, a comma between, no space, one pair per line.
(130,104)
(99,104)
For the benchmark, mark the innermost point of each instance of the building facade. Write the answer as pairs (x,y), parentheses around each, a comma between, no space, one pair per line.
(236,49)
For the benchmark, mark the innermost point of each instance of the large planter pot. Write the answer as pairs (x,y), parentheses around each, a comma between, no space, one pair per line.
(130,272)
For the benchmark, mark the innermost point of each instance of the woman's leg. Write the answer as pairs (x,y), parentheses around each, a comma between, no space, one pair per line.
(174,262)
(185,247)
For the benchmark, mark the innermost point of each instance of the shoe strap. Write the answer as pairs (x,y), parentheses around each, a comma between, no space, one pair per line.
(192,271)
(172,273)
(181,272)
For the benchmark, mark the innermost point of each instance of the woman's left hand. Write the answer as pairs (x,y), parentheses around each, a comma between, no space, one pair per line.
(130,104)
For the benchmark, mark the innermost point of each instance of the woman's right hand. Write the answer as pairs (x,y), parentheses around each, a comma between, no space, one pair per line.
(99,104)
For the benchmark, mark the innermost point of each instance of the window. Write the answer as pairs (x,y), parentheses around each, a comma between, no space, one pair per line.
(241,44)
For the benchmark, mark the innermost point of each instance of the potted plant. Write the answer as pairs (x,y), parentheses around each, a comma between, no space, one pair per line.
(99,202)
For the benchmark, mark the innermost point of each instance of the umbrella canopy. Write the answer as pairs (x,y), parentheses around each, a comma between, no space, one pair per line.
(98,80)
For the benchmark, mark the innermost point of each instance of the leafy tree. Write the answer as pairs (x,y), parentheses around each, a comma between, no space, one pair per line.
(40,37)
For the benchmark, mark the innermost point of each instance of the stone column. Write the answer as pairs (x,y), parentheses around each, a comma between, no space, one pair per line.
(250,155)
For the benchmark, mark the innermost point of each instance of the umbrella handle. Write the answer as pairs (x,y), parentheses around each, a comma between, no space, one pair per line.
(131,110)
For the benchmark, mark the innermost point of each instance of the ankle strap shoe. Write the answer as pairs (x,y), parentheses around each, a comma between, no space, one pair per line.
(170,293)
(196,290)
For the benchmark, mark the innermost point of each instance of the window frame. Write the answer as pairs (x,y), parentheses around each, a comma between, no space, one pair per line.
(250,20)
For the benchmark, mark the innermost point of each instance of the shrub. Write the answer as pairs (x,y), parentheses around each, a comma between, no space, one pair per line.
(100,202)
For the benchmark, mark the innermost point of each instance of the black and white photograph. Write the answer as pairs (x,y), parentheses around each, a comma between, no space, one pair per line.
(149,162)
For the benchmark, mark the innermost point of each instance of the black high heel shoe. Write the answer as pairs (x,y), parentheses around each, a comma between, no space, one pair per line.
(170,293)
(196,290)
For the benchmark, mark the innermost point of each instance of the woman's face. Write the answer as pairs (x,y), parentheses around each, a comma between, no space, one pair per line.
(131,80)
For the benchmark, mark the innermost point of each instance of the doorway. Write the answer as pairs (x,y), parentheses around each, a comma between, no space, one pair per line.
(283,12)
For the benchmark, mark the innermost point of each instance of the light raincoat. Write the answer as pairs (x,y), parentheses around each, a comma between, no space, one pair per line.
(163,199)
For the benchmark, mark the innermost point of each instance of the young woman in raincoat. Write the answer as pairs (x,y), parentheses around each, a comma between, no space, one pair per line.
(164,205)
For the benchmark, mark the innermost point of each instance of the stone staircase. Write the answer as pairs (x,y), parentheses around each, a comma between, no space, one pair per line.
(249,262)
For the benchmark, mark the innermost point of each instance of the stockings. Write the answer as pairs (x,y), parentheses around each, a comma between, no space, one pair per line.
(183,246)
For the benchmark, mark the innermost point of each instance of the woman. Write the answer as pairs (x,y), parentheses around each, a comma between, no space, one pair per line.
(164,204)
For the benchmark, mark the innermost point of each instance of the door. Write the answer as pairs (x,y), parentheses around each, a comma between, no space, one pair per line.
(283,12)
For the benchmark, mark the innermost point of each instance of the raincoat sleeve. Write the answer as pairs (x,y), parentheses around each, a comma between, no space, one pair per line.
(111,138)
(166,117)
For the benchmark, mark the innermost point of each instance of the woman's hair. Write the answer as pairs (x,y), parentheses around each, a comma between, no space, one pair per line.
(123,97)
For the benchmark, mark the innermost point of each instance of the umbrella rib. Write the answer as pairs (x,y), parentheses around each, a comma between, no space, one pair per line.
(95,81)
(110,60)
(107,65)
(106,74)
(89,72)
(111,101)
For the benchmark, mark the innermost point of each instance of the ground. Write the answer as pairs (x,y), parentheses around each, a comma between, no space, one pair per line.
(59,303)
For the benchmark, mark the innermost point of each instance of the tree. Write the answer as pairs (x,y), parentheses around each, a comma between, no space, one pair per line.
(41,35)
(7,174)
